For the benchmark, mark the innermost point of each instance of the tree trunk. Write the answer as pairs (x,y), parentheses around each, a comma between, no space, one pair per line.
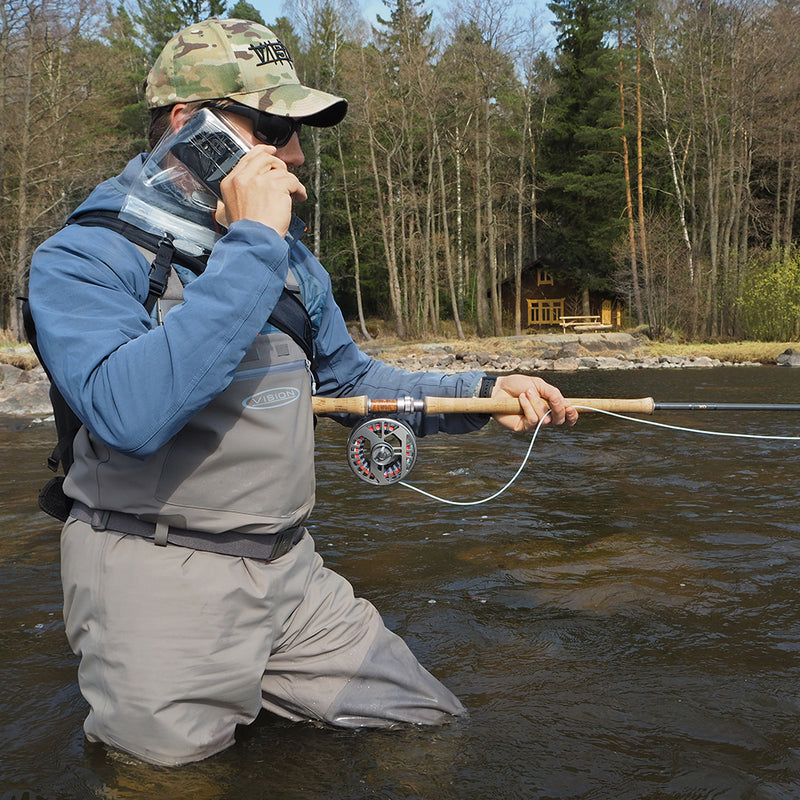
(491,225)
(460,271)
(637,294)
(353,240)
(22,240)
(316,140)
(387,234)
(481,301)
(448,255)
(679,186)
(643,248)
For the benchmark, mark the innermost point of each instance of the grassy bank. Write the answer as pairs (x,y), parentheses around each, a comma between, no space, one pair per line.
(737,352)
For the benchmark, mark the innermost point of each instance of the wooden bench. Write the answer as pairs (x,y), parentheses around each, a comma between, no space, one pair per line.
(583,323)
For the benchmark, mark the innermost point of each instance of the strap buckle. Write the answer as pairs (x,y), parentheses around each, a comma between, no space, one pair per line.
(284,542)
(100,520)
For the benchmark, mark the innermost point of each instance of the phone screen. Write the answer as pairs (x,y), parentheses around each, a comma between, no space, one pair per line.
(210,154)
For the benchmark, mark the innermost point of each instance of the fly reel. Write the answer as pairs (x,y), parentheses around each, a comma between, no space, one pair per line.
(381,450)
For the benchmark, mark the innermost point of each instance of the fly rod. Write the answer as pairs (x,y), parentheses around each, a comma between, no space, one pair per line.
(382,450)
(363,405)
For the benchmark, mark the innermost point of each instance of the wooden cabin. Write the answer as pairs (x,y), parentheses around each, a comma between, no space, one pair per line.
(548,302)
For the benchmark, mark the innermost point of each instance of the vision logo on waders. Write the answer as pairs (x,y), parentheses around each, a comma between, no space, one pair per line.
(272,398)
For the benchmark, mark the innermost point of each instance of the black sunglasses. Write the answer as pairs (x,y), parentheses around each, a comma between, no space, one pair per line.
(268,128)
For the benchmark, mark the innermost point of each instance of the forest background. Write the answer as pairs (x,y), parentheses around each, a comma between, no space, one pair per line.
(652,151)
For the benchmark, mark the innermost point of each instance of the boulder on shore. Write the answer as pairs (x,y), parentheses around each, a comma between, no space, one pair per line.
(789,358)
(24,392)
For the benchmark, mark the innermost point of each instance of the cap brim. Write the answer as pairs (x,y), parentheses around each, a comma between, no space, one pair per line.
(312,106)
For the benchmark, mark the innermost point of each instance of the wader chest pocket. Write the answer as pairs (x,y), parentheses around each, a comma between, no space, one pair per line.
(251,450)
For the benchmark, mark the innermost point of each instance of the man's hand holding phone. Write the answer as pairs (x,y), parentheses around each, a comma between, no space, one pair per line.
(261,188)
(247,177)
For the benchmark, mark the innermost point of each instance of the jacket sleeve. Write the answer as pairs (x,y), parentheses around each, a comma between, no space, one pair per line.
(134,385)
(344,370)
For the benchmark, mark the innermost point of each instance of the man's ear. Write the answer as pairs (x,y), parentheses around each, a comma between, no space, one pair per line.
(179,116)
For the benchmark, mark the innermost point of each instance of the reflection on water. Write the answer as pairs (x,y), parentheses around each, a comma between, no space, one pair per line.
(622,623)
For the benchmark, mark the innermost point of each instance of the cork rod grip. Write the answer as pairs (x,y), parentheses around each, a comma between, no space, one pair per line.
(341,405)
(362,405)
(510,405)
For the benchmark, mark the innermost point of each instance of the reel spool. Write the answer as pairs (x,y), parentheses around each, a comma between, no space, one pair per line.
(381,450)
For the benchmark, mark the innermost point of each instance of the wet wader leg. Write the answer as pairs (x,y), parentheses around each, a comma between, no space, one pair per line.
(172,643)
(173,646)
(338,663)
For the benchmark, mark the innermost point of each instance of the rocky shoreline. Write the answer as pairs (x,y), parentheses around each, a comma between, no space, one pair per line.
(24,392)
(542,353)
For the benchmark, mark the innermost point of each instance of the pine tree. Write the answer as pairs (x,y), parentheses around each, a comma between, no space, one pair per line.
(407,30)
(245,10)
(159,20)
(584,198)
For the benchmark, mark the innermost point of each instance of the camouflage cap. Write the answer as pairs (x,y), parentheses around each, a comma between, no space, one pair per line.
(242,61)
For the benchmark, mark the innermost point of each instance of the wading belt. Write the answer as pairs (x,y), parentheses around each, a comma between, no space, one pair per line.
(261,546)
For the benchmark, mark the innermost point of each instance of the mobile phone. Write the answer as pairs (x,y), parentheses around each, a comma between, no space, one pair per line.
(210,154)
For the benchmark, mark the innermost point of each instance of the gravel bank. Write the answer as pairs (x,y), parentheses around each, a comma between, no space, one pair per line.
(544,353)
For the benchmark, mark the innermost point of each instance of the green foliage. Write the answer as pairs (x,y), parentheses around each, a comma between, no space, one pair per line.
(126,95)
(244,10)
(770,302)
(407,29)
(158,20)
(580,164)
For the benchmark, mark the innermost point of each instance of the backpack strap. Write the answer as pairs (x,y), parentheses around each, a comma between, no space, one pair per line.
(160,269)
(289,314)
(165,252)
(150,241)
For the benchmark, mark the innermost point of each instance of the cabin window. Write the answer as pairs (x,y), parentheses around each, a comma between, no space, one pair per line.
(545,312)
(543,278)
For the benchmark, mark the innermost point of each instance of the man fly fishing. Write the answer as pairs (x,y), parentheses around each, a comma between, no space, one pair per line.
(192,591)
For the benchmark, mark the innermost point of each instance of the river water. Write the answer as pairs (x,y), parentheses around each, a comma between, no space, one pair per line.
(622,623)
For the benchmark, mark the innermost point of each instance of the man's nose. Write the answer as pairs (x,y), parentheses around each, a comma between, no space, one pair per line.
(292,152)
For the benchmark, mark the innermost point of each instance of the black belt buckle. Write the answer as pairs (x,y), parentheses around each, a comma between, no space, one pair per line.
(284,541)
(99,520)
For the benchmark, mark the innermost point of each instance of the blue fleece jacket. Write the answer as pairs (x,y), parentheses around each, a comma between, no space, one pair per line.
(135,384)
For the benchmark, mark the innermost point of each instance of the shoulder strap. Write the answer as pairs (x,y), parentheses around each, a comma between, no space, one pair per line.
(150,241)
(289,314)
(291,317)
(162,246)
